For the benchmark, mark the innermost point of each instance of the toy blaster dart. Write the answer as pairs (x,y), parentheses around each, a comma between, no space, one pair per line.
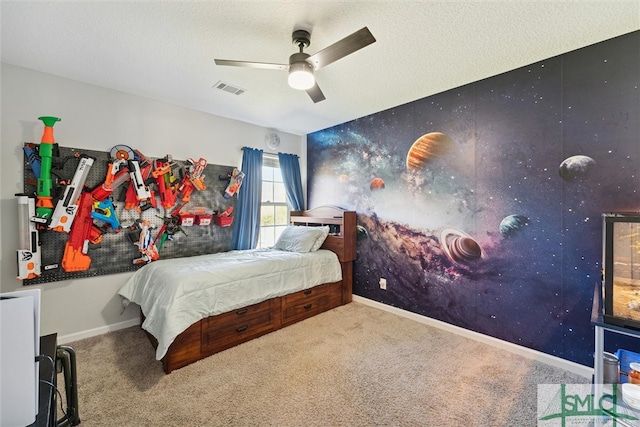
(44,204)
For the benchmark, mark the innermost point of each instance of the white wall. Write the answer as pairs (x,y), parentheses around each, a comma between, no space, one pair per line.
(97,118)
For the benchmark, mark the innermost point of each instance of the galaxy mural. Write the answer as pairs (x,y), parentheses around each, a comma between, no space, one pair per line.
(482,205)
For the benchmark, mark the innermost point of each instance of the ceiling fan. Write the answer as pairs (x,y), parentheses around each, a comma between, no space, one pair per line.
(301,65)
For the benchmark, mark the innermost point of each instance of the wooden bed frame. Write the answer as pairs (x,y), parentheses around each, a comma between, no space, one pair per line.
(217,333)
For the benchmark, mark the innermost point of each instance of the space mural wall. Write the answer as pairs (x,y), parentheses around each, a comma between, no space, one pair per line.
(482,205)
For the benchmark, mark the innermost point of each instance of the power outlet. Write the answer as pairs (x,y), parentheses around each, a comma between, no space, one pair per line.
(383,283)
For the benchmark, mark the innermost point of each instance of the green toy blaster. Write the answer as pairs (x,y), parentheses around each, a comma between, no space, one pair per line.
(44,202)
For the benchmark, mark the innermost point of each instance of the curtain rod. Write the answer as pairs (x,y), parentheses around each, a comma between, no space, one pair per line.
(266,152)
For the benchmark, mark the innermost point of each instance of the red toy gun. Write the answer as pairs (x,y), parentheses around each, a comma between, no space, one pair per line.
(117,174)
(83,232)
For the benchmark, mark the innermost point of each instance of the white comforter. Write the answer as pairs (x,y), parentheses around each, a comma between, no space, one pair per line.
(173,294)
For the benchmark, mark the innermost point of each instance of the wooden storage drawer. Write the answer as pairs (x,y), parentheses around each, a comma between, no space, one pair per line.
(235,327)
(308,303)
(237,316)
(311,293)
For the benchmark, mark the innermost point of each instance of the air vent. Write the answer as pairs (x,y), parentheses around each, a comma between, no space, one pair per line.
(229,88)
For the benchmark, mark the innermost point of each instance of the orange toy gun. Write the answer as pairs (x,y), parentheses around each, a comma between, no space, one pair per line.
(83,233)
(117,174)
(193,178)
(186,188)
(196,172)
(164,166)
(166,181)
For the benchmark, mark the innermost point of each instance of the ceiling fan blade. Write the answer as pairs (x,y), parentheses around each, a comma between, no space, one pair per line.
(250,64)
(315,93)
(342,48)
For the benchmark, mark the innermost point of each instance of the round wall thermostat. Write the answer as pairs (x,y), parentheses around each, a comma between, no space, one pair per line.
(272,140)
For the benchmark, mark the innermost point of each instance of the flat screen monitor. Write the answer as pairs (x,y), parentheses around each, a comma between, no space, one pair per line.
(621,265)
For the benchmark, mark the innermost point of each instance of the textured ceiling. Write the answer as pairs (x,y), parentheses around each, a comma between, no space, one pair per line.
(165,50)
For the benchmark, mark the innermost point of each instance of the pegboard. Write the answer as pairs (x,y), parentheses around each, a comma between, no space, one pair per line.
(116,252)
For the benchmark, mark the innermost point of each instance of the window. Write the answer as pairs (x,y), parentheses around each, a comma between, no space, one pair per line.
(274,208)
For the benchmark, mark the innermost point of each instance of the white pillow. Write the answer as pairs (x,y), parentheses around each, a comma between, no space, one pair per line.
(320,240)
(299,238)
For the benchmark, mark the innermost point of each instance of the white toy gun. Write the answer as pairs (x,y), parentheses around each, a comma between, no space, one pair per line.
(29,256)
(67,206)
(137,181)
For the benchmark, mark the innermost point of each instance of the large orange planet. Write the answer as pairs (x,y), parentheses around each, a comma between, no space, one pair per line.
(427,147)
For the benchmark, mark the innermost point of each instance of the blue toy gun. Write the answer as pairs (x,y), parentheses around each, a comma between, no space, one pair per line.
(106,212)
(34,160)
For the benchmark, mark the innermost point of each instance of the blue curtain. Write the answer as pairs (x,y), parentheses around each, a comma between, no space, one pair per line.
(246,224)
(290,168)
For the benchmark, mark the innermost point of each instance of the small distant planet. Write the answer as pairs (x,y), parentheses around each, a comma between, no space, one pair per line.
(459,246)
(511,224)
(343,178)
(361,232)
(427,147)
(575,167)
(376,184)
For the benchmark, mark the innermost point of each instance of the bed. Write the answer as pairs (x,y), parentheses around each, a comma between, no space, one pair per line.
(194,307)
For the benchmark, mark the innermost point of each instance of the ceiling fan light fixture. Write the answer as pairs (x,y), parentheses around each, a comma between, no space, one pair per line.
(301,65)
(301,76)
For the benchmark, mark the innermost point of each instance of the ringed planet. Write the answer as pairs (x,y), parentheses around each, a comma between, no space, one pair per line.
(459,247)
(425,148)
(361,232)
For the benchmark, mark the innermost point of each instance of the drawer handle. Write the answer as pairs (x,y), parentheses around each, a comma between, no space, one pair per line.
(242,328)
(241,311)
(308,306)
(307,292)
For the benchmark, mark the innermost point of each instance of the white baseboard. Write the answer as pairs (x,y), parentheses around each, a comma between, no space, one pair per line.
(567,365)
(557,362)
(65,339)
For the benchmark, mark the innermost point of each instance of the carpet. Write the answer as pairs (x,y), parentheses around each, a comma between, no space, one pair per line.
(355,365)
